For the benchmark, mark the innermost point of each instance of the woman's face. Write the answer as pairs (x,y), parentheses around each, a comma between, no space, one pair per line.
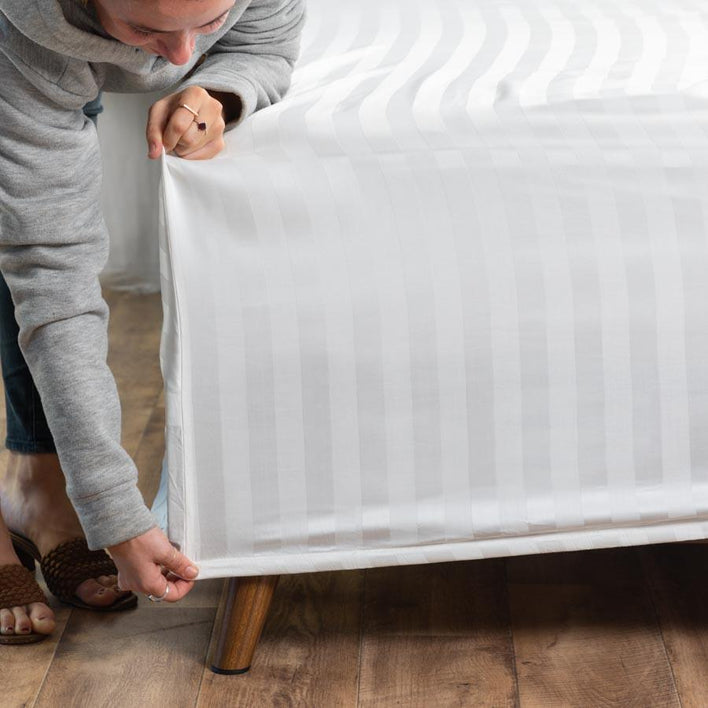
(167,28)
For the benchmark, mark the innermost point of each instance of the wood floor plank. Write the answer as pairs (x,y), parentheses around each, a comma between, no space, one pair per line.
(585,632)
(145,657)
(150,450)
(112,296)
(678,576)
(133,356)
(25,666)
(308,652)
(437,635)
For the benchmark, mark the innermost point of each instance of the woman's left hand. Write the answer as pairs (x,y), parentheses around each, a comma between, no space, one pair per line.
(177,129)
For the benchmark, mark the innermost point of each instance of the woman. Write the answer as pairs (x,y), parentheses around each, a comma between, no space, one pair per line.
(67,474)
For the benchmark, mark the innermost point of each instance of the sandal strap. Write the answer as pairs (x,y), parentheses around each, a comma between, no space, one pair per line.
(67,566)
(18,587)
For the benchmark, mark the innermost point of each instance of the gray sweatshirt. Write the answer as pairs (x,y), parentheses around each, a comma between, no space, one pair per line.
(54,58)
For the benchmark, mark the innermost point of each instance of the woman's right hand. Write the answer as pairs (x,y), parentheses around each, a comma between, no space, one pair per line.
(149,564)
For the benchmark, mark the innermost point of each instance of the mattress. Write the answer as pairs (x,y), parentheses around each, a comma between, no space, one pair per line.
(449,299)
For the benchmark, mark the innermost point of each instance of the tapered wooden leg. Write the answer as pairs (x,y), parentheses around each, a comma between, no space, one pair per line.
(242,614)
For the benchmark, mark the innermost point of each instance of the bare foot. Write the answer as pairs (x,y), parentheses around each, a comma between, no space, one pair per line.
(35,617)
(33,502)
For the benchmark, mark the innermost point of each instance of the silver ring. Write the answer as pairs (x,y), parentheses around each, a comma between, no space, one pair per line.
(152,598)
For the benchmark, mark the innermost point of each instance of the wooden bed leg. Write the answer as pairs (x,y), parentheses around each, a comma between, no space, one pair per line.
(242,614)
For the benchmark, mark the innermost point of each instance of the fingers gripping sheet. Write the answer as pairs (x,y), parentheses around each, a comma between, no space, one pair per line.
(449,299)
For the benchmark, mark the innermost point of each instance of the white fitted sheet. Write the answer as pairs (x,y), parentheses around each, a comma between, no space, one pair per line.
(447,300)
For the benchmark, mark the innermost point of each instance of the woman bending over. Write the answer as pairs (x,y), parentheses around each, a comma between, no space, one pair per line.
(69,490)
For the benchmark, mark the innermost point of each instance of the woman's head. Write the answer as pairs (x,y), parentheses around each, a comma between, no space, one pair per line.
(167,28)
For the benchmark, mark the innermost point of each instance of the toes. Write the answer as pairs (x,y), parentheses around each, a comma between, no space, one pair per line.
(111,581)
(42,618)
(22,621)
(94,593)
(7,621)
(114,584)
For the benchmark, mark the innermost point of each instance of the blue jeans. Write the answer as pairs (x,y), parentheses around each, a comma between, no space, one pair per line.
(27,429)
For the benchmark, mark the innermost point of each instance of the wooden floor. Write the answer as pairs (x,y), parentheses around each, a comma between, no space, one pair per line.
(617,627)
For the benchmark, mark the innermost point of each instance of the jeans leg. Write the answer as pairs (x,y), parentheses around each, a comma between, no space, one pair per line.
(27,428)
(93,108)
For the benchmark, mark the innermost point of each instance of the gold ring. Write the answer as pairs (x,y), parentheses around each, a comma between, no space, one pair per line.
(191,110)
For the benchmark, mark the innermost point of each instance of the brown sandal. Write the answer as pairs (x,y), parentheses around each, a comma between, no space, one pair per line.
(18,587)
(67,566)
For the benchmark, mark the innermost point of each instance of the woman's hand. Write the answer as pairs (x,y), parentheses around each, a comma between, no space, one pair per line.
(176,128)
(149,563)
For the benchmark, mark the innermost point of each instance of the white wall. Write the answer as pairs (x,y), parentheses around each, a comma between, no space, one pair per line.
(130,189)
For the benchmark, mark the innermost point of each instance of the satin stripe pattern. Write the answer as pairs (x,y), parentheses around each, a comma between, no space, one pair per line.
(449,299)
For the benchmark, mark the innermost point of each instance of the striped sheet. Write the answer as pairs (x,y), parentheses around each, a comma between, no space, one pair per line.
(448,299)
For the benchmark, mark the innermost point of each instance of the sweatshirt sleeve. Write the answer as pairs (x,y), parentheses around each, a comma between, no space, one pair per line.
(53,245)
(255,58)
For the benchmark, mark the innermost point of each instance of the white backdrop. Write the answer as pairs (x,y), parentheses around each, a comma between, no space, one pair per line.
(130,189)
